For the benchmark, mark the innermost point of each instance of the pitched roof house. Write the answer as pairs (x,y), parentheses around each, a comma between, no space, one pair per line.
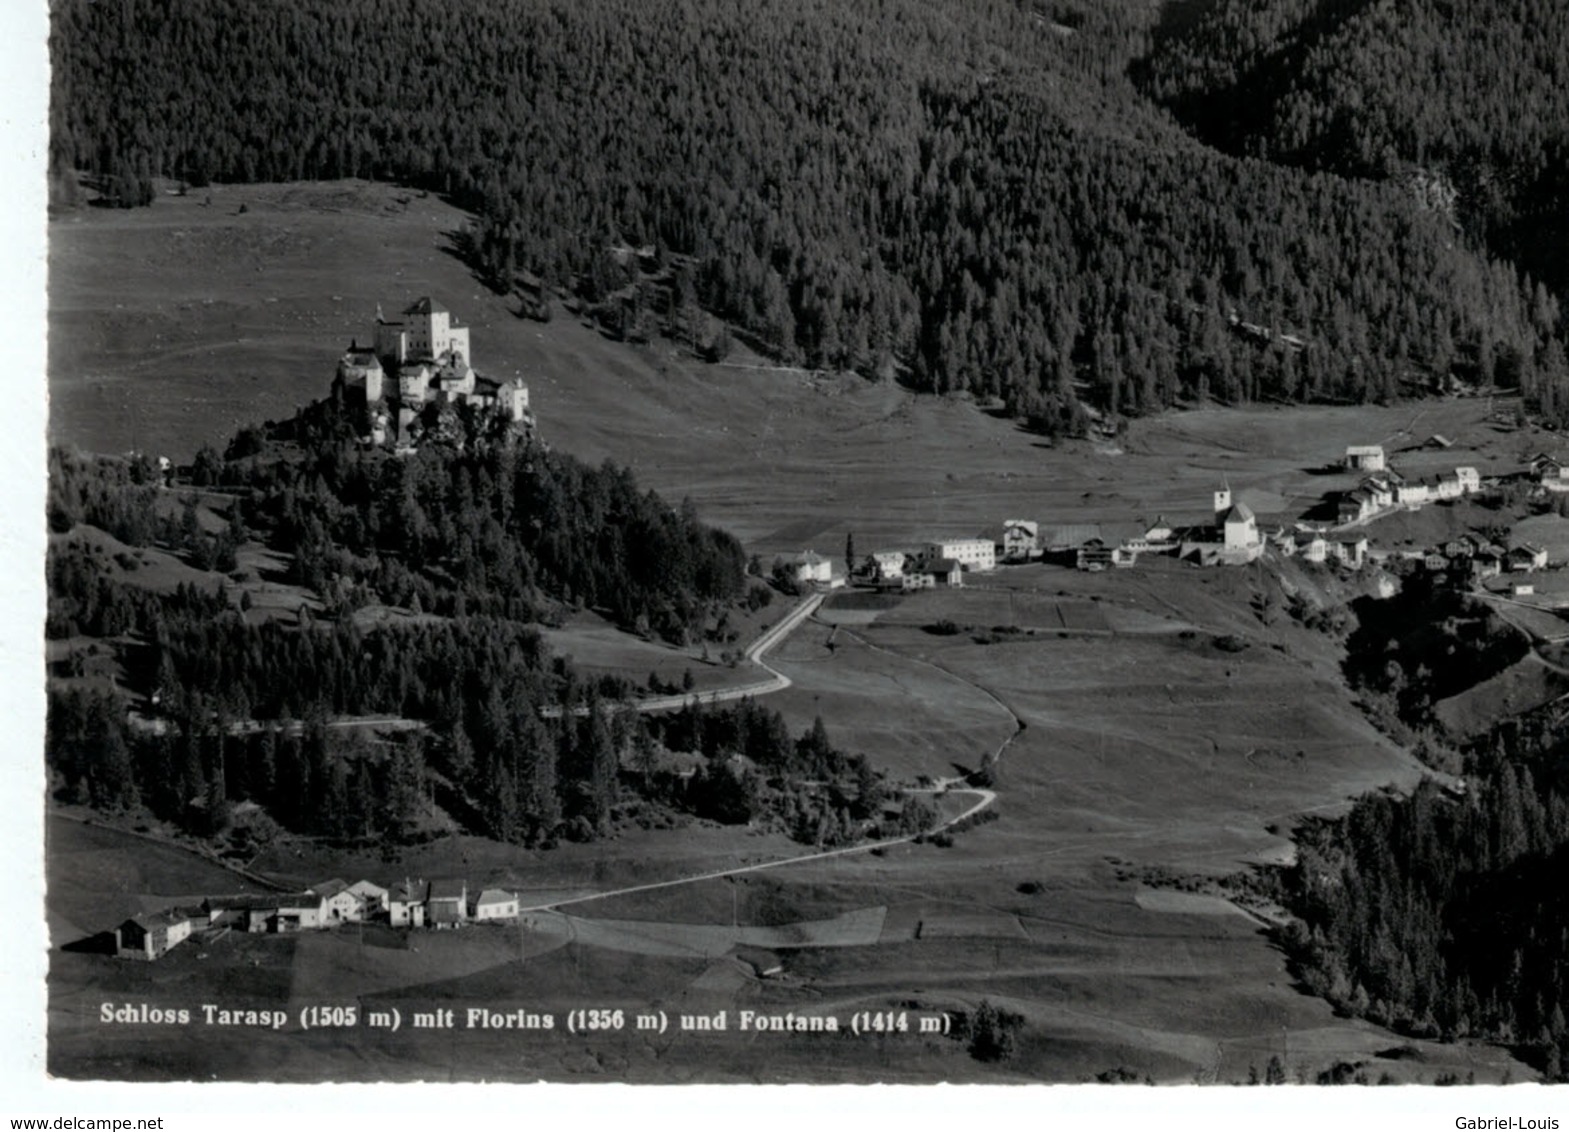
(406,903)
(1365,457)
(929,574)
(495,904)
(341,903)
(151,934)
(812,568)
(1527,557)
(372,897)
(448,903)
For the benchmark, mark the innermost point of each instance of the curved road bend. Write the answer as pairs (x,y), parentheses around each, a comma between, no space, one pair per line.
(779,681)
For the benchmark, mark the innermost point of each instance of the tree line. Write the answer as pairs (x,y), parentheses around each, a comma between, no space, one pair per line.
(470,541)
(1462,106)
(978,200)
(1442,912)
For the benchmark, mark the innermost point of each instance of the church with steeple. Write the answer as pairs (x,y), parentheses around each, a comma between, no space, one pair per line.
(1236,527)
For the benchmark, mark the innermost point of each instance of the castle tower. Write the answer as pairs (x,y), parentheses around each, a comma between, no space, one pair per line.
(429,332)
(1223,500)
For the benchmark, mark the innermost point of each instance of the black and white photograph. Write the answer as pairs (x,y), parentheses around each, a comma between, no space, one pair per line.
(805,542)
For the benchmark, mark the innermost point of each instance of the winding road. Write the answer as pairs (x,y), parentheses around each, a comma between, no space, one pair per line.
(777,682)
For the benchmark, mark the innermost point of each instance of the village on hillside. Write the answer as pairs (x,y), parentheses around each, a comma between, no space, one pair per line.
(1230,535)
(439,904)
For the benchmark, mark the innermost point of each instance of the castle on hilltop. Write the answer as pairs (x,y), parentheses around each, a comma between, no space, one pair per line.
(419,370)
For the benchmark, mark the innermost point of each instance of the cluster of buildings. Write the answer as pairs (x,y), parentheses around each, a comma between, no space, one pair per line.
(415,368)
(930,566)
(1383,489)
(411,904)
(1549,472)
(1472,558)
(1231,536)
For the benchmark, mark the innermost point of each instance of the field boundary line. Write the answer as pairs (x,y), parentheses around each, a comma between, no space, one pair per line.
(170,843)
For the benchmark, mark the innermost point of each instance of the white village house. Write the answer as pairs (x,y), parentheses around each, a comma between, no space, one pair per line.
(1365,457)
(1018,541)
(1550,472)
(341,903)
(812,569)
(151,934)
(406,904)
(372,898)
(495,904)
(932,574)
(886,565)
(971,553)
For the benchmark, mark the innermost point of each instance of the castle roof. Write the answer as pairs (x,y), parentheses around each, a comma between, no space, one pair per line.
(1239,513)
(425,305)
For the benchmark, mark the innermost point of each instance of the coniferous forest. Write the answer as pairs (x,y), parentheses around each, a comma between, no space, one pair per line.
(1442,913)
(476,542)
(997,197)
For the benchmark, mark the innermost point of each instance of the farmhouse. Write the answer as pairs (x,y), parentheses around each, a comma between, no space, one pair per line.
(812,569)
(885,565)
(1354,506)
(406,904)
(151,934)
(1414,493)
(971,553)
(1018,540)
(1350,549)
(1527,558)
(1097,554)
(1550,472)
(1485,564)
(1094,555)
(372,898)
(1283,541)
(931,574)
(494,904)
(447,905)
(297,911)
(1160,534)
(1068,536)
(1312,546)
(341,904)
(239,911)
(1380,491)
(1365,458)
